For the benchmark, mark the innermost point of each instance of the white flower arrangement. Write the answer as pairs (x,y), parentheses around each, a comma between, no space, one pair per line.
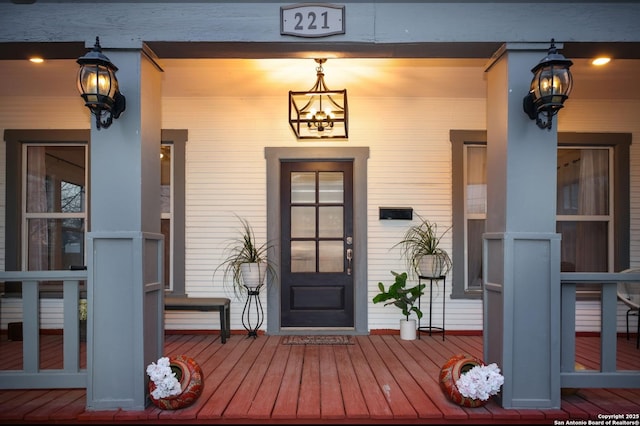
(82,310)
(480,382)
(165,380)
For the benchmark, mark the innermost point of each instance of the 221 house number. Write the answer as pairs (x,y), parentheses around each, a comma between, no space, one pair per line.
(312,20)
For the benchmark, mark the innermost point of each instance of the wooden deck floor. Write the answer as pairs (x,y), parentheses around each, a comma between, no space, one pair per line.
(379,379)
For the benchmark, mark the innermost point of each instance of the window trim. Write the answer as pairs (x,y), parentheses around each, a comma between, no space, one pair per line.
(620,142)
(177,138)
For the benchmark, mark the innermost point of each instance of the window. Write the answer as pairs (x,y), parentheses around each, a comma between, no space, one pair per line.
(584,209)
(592,205)
(47,210)
(166,206)
(53,206)
(172,221)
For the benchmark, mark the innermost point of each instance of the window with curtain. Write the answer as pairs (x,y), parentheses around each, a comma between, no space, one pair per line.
(592,221)
(166,203)
(584,211)
(47,180)
(475,211)
(54,206)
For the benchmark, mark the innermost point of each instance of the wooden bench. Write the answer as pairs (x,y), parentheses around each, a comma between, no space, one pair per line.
(204,304)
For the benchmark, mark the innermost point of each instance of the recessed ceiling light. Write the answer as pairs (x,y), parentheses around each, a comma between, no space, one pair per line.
(36,60)
(601,61)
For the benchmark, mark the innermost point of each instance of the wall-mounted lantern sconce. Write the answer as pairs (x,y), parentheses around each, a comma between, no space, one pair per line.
(550,87)
(98,86)
(319,112)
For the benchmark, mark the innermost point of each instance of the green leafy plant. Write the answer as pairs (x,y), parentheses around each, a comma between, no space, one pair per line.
(241,250)
(401,296)
(421,240)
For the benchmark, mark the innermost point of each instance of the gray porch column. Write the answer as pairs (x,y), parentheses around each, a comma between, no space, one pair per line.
(125,289)
(521,249)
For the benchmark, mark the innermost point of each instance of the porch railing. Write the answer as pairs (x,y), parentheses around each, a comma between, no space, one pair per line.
(32,376)
(72,376)
(608,376)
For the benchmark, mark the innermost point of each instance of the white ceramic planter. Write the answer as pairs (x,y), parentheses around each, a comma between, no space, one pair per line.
(408,329)
(253,274)
(431,266)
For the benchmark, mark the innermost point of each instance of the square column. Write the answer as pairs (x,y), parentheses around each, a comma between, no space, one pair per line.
(521,249)
(125,284)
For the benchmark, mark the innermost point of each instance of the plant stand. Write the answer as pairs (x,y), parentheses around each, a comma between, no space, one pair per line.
(253,303)
(431,328)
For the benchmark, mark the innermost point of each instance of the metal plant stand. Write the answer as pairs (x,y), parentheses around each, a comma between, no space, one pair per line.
(432,328)
(253,303)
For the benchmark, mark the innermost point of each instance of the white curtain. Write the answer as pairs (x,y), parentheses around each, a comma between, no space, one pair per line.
(593,199)
(38,241)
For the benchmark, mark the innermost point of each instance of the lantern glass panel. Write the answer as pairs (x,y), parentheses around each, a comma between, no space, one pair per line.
(97,80)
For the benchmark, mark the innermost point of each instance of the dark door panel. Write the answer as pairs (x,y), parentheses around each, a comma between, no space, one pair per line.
(317,244)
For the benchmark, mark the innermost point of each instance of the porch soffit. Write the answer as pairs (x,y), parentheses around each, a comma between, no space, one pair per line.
(257,50)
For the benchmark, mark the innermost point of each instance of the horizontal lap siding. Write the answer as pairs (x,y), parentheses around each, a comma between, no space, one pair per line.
(409,165)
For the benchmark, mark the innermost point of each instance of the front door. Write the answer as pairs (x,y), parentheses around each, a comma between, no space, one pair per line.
(317,244)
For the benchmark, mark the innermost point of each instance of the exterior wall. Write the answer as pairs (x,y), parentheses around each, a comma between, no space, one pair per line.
(409,165)
(410,155)
(367,22)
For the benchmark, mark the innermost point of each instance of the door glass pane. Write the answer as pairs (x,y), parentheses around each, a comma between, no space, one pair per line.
(331,222)
(303,222)
(330,187)
(583,182)
(303,187)
(303,256)
(331,256)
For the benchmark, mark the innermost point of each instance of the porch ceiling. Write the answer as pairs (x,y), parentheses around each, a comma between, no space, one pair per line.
(454,70)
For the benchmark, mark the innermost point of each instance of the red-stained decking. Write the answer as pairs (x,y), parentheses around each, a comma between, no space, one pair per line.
(379,379)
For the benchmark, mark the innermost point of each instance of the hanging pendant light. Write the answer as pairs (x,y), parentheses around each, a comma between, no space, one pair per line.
(319,112)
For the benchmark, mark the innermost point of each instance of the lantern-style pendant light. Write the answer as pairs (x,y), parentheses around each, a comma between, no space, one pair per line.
(98,86)
(550,87)
(319,112)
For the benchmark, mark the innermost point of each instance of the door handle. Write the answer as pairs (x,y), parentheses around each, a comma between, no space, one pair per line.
(349,258)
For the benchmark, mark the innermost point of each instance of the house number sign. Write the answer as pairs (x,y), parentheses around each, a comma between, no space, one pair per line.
(312,20)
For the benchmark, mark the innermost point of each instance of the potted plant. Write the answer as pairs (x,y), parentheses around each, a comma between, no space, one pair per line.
(420,247)
(246,263)
(405,298)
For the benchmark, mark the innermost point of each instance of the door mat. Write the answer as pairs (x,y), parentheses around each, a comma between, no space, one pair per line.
(318,340)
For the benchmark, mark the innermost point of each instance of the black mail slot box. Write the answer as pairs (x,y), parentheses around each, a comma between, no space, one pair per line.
(401,213)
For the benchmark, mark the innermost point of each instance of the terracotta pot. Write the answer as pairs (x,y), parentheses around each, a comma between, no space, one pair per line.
(191,382)
(451,371)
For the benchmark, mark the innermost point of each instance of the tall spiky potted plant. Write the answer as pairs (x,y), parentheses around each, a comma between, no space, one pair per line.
(420,247)
(246,264)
